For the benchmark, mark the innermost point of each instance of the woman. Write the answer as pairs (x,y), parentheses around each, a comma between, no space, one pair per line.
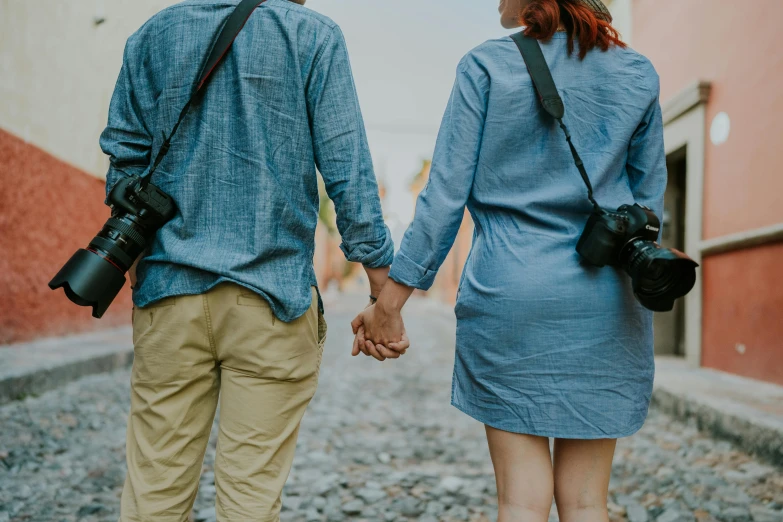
(547,346)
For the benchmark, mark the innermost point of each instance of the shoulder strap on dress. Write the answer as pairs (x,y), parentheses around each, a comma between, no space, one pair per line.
(541,75)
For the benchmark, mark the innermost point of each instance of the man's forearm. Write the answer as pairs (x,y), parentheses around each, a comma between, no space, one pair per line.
(378,278)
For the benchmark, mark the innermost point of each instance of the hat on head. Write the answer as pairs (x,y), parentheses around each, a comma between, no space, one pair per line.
(600,9)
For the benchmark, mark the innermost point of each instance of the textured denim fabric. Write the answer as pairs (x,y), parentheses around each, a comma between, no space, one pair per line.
(242,168)
(546,345)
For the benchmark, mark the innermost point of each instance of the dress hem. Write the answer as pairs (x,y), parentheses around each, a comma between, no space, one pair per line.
(542,433)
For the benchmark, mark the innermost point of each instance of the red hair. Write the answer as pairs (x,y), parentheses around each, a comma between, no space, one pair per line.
(543,18)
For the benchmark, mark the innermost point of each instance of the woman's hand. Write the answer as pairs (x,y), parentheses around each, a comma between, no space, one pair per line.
(379,334)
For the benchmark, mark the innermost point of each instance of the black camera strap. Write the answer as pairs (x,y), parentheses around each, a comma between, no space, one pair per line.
(228,34)
(550,98)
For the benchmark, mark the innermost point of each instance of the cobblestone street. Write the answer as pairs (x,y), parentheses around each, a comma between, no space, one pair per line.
(379,443)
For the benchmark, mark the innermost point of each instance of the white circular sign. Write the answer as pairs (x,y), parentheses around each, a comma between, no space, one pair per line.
(721,128)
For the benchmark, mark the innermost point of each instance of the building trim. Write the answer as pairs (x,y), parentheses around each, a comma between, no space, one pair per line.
(742,240)
(692,96)
(685,127)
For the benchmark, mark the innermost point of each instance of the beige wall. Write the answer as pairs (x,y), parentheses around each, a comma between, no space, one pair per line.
(622,13)
(58,70)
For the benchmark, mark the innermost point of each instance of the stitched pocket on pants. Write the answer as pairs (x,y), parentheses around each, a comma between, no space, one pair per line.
(143,318)
(256,301)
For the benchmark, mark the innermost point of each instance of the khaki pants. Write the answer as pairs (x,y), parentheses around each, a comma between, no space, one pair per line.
(190,351)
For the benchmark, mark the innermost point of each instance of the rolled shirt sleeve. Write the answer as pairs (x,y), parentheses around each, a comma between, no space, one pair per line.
(343,157)
(441,205)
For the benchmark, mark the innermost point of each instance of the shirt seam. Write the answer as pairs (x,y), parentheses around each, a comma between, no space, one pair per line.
(322,50)
(305,11)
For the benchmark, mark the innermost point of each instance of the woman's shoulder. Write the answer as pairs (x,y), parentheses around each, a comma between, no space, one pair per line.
(496,58)
(634,62)
(483,58)
(489,50)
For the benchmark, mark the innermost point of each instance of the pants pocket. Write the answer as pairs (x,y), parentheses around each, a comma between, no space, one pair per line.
(145,318)
(322,330)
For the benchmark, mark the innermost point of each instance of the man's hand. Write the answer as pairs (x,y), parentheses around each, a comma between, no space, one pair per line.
(379,334)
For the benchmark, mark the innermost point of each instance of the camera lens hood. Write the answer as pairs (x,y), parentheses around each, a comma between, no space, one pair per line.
(90,280)
(661,277)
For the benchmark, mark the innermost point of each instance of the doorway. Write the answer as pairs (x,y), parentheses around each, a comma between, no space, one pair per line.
(670,326)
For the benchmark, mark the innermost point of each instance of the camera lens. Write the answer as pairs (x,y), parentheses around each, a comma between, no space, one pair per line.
(94,276)
(657,275)
(120,241)
(660,275)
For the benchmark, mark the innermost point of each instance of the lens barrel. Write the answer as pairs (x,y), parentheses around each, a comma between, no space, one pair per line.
(121,240)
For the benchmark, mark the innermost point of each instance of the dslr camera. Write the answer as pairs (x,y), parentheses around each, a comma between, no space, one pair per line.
(627,239)
(95,275)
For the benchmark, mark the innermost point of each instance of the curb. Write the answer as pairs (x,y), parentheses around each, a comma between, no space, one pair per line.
(30,369)
(743,411)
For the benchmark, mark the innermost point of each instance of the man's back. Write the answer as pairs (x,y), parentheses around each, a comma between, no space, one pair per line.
(238,254)
(242,166)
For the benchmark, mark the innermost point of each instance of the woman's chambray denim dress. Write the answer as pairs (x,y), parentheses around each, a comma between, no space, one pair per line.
(546,345)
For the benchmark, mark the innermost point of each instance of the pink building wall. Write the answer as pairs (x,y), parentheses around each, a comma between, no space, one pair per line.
(734,45)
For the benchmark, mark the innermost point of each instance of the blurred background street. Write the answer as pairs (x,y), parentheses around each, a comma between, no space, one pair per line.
(379,443)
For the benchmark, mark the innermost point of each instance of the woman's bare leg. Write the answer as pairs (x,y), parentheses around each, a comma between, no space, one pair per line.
(582,469)
(523,471)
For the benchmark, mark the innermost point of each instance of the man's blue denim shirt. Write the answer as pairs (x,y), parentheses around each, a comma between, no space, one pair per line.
(242,168)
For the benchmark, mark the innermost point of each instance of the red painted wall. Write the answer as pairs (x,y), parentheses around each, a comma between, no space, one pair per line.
(48,210)
(743,305)
(734,45)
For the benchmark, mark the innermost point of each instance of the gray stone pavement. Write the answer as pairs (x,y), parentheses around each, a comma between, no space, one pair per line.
(379,443)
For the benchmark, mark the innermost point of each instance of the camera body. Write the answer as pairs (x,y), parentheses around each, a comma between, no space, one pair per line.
(138,212)
(608,233)
(627,239)
(95,275)
(148,202)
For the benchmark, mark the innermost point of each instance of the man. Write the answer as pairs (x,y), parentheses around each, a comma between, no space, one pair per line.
(226,304)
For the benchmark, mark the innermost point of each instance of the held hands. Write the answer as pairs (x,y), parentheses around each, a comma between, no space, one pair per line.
(379,334)
(379,330)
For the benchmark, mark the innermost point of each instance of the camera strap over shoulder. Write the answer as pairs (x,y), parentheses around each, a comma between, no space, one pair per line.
(228,34)
(551,100)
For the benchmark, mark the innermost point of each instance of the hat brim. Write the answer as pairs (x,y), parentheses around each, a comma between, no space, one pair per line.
(600,9)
